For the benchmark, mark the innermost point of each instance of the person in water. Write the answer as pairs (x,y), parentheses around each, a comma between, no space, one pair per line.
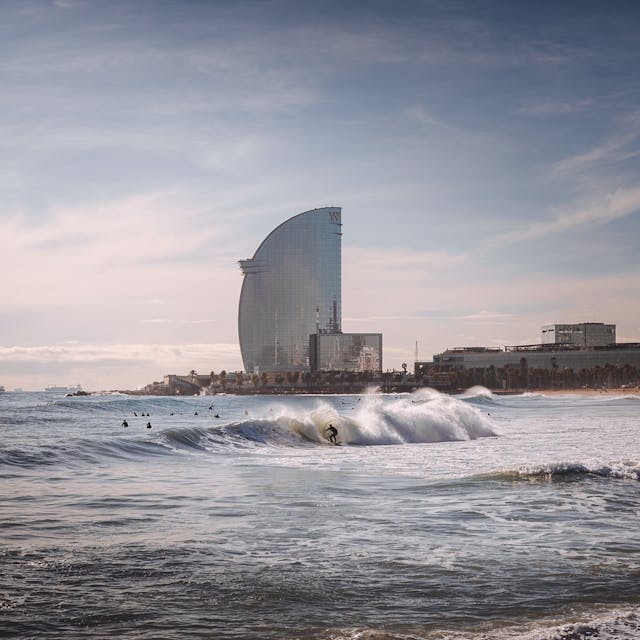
(333,433)
(148,424)
(125,423)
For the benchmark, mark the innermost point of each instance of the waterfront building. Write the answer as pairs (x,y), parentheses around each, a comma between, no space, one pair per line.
(571,347)
(361,352)
(539,357)
(291,289)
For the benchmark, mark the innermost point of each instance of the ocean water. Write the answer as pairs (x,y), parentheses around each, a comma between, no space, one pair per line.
(473,516)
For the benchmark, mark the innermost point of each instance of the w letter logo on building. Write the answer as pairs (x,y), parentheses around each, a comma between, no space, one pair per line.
(335,216)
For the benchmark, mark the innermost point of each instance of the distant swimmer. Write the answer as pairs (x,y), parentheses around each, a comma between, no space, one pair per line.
(125,423)
(216,416)
(148,425)
(211,408)
(333,431)
(135,414)
(195,413)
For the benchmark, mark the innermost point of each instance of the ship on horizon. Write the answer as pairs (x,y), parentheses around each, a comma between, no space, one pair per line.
(69,389)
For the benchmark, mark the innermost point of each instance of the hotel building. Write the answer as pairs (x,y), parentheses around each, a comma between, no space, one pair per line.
(292,291)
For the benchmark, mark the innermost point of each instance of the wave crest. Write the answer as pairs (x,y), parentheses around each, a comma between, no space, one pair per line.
(625,470)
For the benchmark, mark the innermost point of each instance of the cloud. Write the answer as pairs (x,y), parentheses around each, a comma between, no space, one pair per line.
(608,153)
(113,366)
(94,354)
(108,250)
(601,210)
(619,146)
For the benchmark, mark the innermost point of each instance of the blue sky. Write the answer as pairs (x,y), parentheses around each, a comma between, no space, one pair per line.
(486,156)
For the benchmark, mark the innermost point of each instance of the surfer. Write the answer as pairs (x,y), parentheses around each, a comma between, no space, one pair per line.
(333,433)
(125,423)
(148,424)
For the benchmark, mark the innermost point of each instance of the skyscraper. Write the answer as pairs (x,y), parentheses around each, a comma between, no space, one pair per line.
(291,289)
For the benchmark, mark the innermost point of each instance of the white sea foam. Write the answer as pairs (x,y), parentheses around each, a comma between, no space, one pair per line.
(423,416)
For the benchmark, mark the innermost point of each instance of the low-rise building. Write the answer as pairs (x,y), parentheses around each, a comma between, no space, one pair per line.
(577,354)
(346,352)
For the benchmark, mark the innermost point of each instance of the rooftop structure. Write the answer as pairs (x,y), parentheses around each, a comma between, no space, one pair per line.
(583,335)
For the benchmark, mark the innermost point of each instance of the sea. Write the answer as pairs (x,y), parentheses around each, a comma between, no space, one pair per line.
(475,516)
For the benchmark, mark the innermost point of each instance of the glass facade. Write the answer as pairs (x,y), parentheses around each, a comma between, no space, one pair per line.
(291,289)
(346,352)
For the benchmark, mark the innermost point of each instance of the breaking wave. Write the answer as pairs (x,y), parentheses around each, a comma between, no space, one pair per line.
(625,470)
(421,417)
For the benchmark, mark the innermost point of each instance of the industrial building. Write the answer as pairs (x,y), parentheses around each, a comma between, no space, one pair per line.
(291,292)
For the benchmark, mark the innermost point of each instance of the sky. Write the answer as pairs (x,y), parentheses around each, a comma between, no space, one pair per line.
(486,156)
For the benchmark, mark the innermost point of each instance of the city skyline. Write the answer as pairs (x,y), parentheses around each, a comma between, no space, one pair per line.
(485,156)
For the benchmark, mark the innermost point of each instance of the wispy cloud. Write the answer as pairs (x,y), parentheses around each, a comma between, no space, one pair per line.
(547,108)
(600,211)
(174,321)
(612,151)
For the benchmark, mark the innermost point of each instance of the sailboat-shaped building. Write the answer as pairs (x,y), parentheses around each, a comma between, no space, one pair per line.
(291,289)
